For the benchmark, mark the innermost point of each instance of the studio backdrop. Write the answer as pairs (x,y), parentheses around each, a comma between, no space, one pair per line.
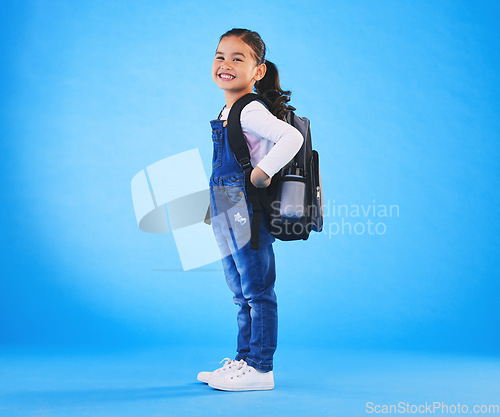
(403,103)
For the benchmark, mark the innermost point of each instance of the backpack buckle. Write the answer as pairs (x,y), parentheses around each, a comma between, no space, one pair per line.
(245,164)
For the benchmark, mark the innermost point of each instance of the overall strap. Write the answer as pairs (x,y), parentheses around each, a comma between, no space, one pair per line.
(240,149)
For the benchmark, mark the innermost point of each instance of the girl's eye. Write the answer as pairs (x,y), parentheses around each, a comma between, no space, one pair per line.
(237,59)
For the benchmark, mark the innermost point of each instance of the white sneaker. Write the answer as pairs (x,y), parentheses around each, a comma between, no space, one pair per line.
(247,378)
(229,366)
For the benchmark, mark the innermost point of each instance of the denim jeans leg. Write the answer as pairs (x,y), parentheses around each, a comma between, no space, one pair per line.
(258,275)
(233,280)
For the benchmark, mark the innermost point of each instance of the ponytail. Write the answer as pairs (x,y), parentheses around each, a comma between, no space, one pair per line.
(270,88)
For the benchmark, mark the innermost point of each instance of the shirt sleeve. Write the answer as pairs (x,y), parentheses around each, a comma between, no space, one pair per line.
(258,120)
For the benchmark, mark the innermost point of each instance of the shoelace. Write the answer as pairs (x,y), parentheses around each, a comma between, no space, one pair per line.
(230,363)
(242,371)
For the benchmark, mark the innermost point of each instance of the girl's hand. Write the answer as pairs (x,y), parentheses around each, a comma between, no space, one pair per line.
(259,178)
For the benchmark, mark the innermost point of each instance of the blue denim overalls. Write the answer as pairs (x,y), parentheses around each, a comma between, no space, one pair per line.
(250,274)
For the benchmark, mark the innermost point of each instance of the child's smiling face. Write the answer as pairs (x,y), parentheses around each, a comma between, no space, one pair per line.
(234,68)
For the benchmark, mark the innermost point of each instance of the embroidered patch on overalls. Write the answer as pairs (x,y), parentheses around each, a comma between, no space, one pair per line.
(240,219)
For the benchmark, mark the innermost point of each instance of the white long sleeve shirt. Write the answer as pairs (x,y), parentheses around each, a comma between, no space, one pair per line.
(272,142)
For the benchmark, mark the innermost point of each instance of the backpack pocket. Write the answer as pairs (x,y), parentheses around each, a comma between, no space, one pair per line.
(316,207)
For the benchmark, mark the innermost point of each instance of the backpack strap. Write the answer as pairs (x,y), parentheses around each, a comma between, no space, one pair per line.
(240,149)
(234,131)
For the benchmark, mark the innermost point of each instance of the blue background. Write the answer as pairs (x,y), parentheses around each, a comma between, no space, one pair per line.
(403,101)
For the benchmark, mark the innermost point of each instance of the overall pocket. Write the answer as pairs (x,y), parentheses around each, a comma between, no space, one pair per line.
(234,190)
(235,194)
(217,156)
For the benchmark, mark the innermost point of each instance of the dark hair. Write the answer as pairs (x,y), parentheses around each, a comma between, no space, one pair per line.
(269,85)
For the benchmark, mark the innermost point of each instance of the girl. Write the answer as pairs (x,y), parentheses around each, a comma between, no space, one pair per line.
(240,66)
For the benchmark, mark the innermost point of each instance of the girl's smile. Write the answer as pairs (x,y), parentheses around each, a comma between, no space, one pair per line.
(226,77)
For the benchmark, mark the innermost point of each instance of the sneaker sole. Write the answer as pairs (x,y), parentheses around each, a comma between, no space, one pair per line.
(216,385)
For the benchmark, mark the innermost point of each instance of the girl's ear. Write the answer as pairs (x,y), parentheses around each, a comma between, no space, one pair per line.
(261,71)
